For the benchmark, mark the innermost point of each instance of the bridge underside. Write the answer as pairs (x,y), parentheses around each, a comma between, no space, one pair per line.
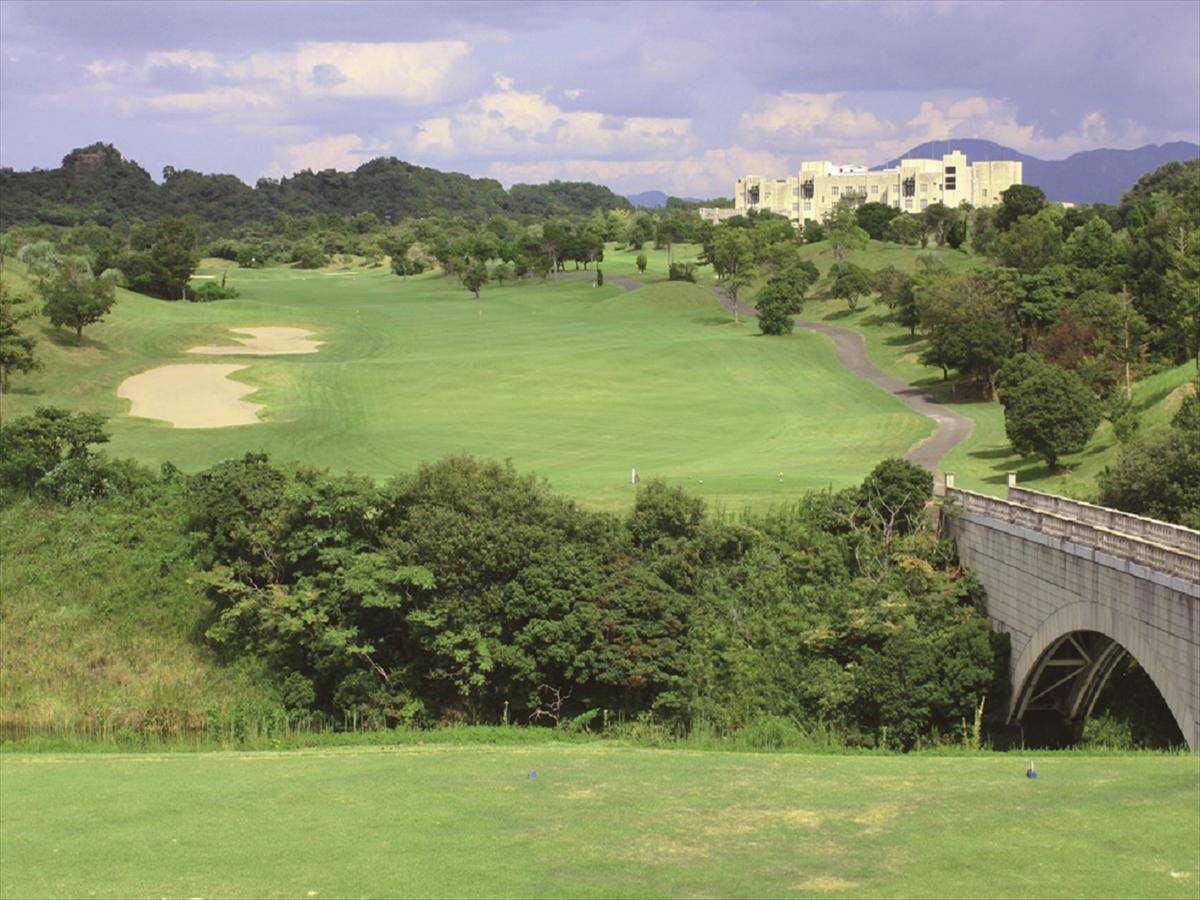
(1074,600)
(1066,681)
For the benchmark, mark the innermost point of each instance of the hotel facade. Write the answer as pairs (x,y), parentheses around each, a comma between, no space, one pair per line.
(910,187)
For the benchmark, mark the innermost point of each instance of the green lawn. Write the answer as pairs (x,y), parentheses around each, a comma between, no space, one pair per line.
(980,463)
(597,821)
(575,383)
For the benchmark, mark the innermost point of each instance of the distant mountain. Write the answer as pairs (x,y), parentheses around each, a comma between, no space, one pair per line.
(97,184)
(648,199)
(1093,176)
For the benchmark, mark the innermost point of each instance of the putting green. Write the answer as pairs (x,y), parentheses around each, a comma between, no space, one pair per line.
(575,383)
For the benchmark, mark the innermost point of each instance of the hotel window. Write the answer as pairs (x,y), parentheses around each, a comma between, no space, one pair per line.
(924,203)
(808,206)
(874,189)
(924,187)
(896,204)
(985,192)
(908,203)
(834,190)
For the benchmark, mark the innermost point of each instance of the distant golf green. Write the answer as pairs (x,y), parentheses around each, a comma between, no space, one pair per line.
(575,383)
(596,821)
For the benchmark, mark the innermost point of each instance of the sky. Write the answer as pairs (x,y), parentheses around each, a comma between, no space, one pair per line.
(683,97)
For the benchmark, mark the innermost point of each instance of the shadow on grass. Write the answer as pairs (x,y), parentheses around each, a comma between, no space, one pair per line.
(714,320)
(839,314)
(903,340)
(60,337)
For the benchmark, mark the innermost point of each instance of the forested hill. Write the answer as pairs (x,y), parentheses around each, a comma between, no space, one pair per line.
(98,184)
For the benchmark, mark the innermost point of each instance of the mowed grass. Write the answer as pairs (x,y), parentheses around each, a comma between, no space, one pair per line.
(983,460)
(597,821)
(574,383)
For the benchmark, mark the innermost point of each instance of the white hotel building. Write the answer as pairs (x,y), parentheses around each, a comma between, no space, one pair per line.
(910,187)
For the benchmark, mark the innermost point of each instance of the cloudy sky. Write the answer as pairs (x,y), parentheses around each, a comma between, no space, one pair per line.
(677,96)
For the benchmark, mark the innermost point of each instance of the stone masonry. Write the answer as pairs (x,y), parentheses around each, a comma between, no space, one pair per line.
(1056,568)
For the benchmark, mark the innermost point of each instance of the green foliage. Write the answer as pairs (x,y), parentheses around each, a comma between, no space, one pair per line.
(782,297)
(850,282)
(845,236)
(641,263)
(1157,474)
(874,218)
(162,259)
(1020,200)
(679,271)
(1048,411)
(894,496)
(968,321)
(34,447)
(16,347)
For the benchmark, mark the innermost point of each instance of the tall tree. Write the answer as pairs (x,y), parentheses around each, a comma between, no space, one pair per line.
(1018,201)
(734,261)
(844,234)
(1048,411)
(74,297)
(16,347)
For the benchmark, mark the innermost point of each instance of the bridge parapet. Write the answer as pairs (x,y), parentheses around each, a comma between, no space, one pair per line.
(1142,550)
(1151,530)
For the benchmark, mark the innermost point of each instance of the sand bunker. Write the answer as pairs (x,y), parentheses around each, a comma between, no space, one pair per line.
(191,396)
(264,342)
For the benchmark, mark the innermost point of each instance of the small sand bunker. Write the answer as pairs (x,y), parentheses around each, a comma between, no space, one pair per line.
(264,342)
(191,396)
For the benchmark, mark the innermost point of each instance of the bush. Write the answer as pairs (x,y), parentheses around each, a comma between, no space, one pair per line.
(210,291)
(682,272)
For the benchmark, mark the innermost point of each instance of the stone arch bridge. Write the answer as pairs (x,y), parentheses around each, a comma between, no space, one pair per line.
(1078,586)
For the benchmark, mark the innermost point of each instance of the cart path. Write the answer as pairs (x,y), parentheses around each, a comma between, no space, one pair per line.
(952,428)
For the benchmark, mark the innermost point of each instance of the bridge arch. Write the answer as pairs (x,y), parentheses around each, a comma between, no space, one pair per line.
(1063,633)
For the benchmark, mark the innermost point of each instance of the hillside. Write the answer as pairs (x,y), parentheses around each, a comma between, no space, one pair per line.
(97,184)
(1093,176)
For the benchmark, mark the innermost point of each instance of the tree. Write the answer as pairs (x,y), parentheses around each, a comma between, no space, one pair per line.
(1158,474)
(969,322)
(641,263)
(782,297)
(889,282)
(31,447)
(734,262)
(874,218)
(938,220)
(1030,244)
(895,494)
(813,232)
(74,297)
(667,232)
(905,229)
(850,282)
(16,347)
(1018,201)
(1048,411)
(844,234)
(474,276)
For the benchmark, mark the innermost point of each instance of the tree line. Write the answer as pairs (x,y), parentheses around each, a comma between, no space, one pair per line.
(467,591)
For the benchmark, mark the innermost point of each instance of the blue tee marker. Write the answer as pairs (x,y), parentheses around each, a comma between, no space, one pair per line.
(532,774)
(1031,772)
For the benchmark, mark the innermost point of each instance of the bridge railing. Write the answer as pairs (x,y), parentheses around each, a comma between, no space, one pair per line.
(1141,550)
(1111,519)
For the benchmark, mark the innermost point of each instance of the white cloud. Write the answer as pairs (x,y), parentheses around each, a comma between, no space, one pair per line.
(997,120)
(412,72)
(408,73)
(343,152)
(797,117)
(517,124)
(708,174)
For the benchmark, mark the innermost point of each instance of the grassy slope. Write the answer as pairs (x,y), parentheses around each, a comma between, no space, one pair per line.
(575,383)
(982,461)
(97,626)
(598,821)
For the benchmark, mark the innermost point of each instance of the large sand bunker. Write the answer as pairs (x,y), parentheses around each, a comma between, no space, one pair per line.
(263,342)
(191,396)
